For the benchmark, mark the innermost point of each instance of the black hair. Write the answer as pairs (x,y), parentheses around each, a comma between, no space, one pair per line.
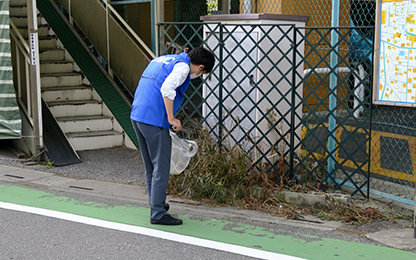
(202,56)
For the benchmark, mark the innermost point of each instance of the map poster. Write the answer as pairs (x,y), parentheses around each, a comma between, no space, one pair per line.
(395,53)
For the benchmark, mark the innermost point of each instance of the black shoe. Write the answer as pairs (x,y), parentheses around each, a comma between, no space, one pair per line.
(167,220)
(167,207)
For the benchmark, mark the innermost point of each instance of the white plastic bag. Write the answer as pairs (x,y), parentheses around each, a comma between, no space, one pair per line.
(182,152)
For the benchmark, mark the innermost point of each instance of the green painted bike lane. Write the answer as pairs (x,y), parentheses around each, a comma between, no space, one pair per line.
(270,240)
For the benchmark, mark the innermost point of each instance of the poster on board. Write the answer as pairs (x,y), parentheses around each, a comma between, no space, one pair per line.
(395,53)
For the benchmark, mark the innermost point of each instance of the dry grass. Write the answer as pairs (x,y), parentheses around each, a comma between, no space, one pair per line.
(225,176)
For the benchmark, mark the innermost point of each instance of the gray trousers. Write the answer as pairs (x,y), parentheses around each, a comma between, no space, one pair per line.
(155,147)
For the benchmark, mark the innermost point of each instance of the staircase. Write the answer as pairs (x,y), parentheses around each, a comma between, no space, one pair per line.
(78,109)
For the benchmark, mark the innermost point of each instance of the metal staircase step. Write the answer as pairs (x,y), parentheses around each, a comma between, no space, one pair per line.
(75,108)
(75,124)
(82,92)
(95,140)
(56,66)
(60,79)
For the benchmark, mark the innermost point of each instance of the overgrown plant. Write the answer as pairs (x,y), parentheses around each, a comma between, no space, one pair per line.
(225,174)
(219,173)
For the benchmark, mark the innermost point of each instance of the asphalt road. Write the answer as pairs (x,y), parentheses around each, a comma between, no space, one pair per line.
(123,166)
(30,236)
(45,222)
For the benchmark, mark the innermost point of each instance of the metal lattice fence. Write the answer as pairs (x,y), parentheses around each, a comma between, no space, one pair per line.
(269,94)
(373,146)
(329,130)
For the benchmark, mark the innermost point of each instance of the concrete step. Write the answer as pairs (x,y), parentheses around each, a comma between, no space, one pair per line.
(47,42)
(82,92)
(95,140)
(20,11)
(61,79)
(75,108)
(17,2)
(51,54)
(21,22)
(91,123)
(43,31)
(58,66)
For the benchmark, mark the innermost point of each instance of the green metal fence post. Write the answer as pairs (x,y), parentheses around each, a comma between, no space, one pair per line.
(370,116)
(220,83)
(293,100)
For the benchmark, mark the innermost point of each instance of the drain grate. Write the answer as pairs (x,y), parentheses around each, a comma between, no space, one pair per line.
(80,188)
(14,176)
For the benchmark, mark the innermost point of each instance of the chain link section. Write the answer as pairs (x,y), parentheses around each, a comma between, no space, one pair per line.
(374,144)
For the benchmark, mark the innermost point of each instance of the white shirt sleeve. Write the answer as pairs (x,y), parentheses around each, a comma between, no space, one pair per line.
(175,79)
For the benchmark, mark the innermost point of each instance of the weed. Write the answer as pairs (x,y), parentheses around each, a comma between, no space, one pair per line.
(220,174)
(217,173)
(47,164)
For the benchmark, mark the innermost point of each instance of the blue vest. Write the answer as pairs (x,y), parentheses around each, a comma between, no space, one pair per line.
(148,105)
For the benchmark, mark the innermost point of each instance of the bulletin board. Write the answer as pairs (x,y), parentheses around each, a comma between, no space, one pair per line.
(395,53)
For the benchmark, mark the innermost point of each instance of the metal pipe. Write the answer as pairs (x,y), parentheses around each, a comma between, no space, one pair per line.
(110,72)
(159,18)
(71,21)
(19,81)
(247,6)
(29,102)
(153,25)
(19,36)
(35,79)
(130,2)
(359,91)
(358,86)
(326,70)
(332,85)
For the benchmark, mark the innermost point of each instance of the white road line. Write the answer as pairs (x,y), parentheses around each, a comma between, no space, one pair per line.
(150,232)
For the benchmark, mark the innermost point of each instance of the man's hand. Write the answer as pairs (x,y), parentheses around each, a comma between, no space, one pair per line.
(176,124)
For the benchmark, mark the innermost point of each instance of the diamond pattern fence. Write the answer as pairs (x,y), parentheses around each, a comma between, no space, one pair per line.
(246,101)
(271,94)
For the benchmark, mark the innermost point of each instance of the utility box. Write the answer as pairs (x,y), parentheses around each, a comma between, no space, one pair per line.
(258,61)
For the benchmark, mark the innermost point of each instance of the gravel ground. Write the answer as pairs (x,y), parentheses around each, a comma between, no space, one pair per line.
(118,165)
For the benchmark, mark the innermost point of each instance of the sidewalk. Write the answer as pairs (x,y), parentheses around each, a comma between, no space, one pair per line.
(401,238)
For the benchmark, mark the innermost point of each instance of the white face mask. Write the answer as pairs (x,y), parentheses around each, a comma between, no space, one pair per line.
(194,76)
